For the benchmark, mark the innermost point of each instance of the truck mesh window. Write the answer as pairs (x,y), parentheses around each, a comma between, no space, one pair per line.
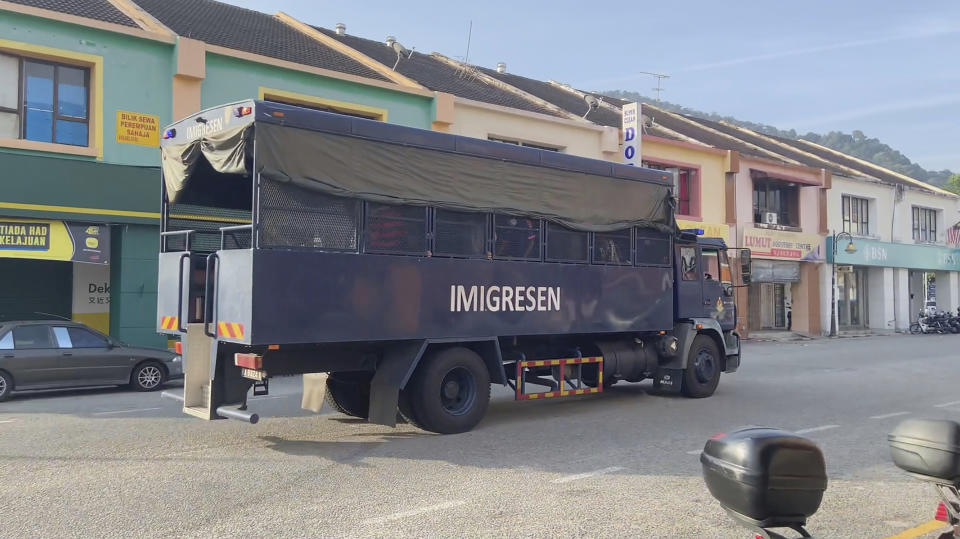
(565,244)
(460,233)
(652,248)
(206,221)
(396,229)
(292,216)
(612,247)
(516,237)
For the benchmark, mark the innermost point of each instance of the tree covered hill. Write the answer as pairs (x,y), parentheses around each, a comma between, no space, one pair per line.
(856,144)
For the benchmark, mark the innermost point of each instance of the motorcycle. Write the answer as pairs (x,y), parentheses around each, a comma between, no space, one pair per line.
(768,479)
(939,322)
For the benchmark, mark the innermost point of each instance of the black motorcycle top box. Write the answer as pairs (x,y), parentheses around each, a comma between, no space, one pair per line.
(768,477)
(927,447)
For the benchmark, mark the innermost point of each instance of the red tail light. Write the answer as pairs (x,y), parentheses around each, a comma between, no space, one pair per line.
(242,111)
(942,513)
(248,361)
(178,348)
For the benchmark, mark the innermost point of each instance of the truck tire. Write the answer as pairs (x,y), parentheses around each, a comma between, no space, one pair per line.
(349,393)
(449,392)
(702,374)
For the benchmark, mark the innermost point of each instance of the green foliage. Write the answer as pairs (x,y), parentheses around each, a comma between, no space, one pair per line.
(856,144)
(953,184)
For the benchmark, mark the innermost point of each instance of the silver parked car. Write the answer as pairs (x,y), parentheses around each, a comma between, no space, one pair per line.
(48,354)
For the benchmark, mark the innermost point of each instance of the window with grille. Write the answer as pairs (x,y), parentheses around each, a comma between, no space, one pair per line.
(856,215)
(612,247)
(683,179)
(44,101)
(776,202)
(292,216)
(924,225)
(395,229)
(653,249)
(566,245)
(458,233)
(516,237)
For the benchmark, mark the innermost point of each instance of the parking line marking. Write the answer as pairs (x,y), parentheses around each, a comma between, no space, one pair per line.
(126,411)
(815,429)
(7,421)
(885,416)
(917,531)
(568,478)
(944,405)
(695,452)
(414,512)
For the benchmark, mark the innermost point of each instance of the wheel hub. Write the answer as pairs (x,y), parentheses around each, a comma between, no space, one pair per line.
(149,377)
(458,391)
(704,366)
(451,389)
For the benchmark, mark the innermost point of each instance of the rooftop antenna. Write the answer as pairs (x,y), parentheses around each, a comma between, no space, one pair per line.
(660,77)
(466,58)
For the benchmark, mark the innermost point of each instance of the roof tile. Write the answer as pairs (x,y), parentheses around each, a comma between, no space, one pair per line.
(99,10)
(251,31)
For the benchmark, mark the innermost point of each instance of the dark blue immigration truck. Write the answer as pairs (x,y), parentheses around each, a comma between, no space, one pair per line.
(404,271)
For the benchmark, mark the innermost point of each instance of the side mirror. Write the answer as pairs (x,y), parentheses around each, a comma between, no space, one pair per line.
(745,265)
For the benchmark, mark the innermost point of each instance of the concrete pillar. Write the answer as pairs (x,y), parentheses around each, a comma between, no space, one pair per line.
(901,297)
(948,291)
(880,301)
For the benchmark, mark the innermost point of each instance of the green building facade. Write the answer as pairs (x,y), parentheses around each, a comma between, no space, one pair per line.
(83,102)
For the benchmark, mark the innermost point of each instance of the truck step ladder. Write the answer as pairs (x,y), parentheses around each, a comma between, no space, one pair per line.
(562,384)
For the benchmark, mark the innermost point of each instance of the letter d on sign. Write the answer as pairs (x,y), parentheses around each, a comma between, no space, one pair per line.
(631,129)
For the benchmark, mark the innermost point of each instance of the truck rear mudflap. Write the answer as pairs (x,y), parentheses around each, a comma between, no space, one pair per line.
(213,387)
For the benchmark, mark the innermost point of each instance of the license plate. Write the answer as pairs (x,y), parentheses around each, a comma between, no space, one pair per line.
(253,374)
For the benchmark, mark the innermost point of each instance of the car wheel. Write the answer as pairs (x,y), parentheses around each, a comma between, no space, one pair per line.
(702,374)
(148,376)
(6,386)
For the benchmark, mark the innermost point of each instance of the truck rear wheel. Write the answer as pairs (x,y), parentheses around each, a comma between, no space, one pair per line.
(702,374)
(349,393)
(449,392)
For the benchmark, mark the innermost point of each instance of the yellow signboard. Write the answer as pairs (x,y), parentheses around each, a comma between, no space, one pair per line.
(136,128)
(710,230)
(54,240)
(782,245)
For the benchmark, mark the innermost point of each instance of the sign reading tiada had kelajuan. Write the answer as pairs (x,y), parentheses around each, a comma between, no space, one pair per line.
(896,255)
(54,240)
(136,128)
(782,245)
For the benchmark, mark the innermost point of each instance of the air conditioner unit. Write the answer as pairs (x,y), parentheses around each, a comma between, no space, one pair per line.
(770,218)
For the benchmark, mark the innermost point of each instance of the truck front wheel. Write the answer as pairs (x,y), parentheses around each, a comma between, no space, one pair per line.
(349,393)
(450,391)
(702,374)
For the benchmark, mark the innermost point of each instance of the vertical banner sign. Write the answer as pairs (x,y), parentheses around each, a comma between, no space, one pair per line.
(631,134)
(91,295)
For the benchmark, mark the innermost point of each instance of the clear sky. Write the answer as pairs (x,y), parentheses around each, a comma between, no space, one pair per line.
(889,68)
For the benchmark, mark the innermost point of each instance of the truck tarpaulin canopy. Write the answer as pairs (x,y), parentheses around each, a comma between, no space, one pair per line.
(225,151)
(401,174)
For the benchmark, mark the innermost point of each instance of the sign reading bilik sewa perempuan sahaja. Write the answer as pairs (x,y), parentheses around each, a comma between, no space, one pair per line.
(136,128)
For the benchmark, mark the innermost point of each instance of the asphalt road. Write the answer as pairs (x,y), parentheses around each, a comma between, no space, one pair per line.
(113,463)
